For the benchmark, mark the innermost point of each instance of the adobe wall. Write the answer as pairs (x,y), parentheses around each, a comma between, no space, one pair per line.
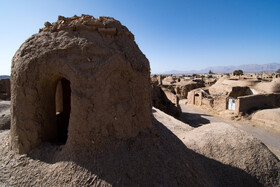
(109,79)
(165,100)
(159,78)
(195,97)
(171,96)
(238,91)
(220,103)
(5,90)
(246,104)
(183,89)
(191,97)
(198,98)
(207,102)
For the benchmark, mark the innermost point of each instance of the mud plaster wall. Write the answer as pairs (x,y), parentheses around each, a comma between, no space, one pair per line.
(238,91)
(171,96)
(183,91)
(109,80)
(191,97)
(195,97)
(246,104)
(207,102)
(220,103)
(161,102)
(5,91)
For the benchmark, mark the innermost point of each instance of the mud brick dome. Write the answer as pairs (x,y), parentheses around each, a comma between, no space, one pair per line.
(76,82)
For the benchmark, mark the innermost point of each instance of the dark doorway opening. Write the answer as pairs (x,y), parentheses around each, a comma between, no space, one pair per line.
(63,108)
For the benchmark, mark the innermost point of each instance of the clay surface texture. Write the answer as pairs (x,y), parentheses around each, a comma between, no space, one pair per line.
(107,77)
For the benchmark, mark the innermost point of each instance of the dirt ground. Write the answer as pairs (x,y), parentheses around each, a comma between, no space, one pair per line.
(195,117)
(164,155)
(4,115)
(155,157)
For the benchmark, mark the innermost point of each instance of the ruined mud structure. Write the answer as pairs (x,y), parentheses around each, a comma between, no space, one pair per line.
(165,100)
(77,81)
(81,110)
(5,91)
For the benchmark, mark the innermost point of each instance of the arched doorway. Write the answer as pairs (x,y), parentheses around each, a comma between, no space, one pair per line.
(63,108)
(196,99)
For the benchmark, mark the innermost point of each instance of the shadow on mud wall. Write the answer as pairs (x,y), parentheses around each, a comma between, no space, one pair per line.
(154,157)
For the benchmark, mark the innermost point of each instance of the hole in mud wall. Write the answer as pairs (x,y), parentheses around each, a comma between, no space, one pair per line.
(63,108)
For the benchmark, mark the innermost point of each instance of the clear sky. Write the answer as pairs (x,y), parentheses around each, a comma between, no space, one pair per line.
(174,35)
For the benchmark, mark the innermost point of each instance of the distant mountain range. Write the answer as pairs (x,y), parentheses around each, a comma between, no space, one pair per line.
(248,68)
(4,76)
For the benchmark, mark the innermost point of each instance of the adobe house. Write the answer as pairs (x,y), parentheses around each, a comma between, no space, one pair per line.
(236,92)
(250,103)
(77,82)
(218,102)
(195,97)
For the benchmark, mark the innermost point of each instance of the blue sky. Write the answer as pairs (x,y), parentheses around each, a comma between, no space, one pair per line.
(174,35)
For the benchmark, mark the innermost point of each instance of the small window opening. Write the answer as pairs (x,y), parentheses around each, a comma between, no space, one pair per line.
(63,108)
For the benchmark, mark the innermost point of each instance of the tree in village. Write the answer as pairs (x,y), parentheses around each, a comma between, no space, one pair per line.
(238,72)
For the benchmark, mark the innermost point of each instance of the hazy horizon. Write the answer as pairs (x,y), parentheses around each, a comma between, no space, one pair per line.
(206,70)
(177,35)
